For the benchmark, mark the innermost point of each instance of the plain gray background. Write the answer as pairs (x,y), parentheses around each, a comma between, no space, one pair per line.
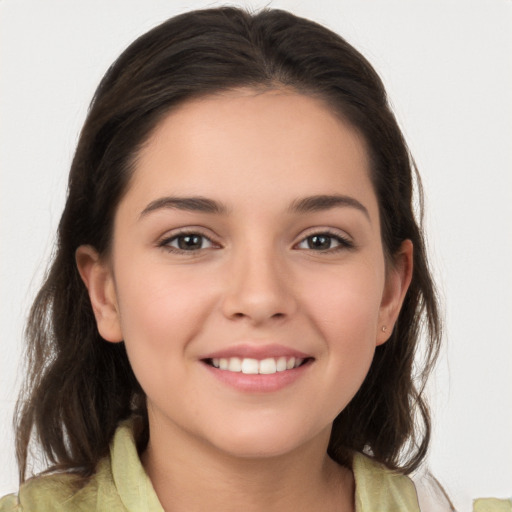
(446,65)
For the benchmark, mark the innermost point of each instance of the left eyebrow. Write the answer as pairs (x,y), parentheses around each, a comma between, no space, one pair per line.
(326,202)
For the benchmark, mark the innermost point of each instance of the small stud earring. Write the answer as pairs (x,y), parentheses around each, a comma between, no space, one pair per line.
(383,328)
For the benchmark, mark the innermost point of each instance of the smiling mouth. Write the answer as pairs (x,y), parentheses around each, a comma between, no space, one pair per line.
(251,366)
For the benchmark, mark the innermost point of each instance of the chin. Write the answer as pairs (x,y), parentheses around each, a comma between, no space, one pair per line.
(257,448)
(261,441)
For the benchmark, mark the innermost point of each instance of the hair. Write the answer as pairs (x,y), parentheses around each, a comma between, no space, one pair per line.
(79,387)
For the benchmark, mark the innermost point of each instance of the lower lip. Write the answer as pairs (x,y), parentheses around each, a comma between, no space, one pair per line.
(259,383)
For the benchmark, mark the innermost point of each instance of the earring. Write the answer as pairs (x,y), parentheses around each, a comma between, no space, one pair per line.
(383,328)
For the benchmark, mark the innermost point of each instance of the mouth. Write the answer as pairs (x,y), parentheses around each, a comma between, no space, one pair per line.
(250,366)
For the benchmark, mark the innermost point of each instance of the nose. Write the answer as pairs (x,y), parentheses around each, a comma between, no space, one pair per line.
(259,288)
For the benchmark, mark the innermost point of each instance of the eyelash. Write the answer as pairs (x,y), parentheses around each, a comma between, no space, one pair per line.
(166,241)
(344,243)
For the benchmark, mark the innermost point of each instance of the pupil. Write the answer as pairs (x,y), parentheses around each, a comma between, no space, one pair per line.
(319,242)
(188,242)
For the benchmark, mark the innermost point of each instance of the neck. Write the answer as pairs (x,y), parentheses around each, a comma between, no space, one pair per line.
(189,475)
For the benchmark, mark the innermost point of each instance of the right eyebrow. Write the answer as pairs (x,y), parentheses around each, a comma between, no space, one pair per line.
(192,204)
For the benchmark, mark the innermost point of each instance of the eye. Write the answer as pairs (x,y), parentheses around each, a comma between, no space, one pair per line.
(325,242)
(187,242)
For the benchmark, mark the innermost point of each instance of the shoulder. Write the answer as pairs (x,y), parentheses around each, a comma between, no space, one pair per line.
(9,503)
(41,493)
(119,483)
(65,492)
(377,486)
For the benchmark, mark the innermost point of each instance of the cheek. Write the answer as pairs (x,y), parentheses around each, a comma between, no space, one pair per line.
(345,310)
(345,302)
(160,310)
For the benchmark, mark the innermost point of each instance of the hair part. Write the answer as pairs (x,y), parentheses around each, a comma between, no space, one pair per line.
(80,387)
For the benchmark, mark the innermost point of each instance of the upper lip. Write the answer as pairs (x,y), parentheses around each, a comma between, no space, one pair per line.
(259,351)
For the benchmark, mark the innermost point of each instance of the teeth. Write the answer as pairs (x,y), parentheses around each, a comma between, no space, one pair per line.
(250,366)
(268,366)
(235,364)
(282,364)
(254,366)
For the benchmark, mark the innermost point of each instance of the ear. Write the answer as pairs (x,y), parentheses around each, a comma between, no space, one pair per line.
(398,279)
(99,281)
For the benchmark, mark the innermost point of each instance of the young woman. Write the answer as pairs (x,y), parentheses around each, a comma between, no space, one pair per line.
(235,304)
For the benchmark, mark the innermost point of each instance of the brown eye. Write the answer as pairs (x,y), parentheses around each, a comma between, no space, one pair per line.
(319,242)
(325,242)
(187,242)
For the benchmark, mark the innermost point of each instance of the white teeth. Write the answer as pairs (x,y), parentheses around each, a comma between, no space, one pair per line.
(268,366)
(250,366)
(282,364)
(235,364)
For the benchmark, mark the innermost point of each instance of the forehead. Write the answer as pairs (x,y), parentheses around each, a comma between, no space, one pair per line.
(243,144)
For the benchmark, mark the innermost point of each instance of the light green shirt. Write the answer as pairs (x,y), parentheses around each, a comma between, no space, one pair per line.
(120,484)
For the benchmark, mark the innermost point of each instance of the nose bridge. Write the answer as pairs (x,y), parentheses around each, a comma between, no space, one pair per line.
(258,285)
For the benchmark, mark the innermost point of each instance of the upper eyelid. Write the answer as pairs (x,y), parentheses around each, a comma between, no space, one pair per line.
(343,241)
(169,235)
(165,242)
(334,232)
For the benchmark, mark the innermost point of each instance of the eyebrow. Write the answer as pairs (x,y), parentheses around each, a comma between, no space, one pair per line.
(191,204)
(303,205)
(326,202)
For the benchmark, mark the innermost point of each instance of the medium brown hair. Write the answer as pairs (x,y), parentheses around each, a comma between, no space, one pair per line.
(80,387)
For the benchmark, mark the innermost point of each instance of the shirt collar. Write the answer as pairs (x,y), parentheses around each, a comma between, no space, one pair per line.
(132,482)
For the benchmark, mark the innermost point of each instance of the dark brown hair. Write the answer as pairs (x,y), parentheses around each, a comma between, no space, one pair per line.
(79,387)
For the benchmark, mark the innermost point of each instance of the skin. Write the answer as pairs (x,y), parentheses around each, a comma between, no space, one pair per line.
(255,280)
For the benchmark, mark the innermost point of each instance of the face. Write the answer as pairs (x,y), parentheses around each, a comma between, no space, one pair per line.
(247,275)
